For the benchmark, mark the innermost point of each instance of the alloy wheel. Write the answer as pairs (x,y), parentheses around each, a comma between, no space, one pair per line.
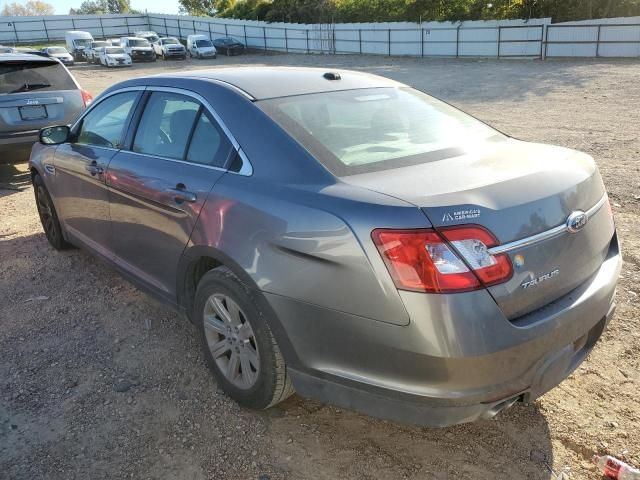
(231,341)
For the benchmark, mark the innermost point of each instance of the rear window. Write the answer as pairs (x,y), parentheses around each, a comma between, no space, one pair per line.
(25,76)
(114,50)
(367,130)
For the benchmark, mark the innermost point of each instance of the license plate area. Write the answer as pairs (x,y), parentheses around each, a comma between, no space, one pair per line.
(33,112)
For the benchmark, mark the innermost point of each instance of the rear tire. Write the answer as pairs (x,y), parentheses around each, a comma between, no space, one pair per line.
(48,215)
(237,343)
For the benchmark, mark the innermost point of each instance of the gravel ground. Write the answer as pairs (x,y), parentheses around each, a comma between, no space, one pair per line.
(98,380)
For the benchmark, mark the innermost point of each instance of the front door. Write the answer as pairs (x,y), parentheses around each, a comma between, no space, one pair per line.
(80,188)
(158,188)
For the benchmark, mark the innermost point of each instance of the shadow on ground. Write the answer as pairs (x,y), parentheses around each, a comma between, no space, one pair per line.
(73,332)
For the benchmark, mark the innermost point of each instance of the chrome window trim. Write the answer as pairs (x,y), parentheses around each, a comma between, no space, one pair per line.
(546,235)
(176,160)
(246,170)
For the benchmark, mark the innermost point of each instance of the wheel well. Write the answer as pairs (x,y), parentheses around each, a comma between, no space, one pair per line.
(34,172)
(195,272)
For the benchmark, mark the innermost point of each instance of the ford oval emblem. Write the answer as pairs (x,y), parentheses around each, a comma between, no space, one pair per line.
(576,221)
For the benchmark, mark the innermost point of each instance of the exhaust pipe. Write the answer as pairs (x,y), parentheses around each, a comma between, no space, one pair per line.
(497,408)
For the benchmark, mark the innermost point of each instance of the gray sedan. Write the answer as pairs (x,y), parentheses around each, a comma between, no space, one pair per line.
(341,234)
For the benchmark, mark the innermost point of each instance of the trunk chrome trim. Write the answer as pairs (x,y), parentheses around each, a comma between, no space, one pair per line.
(546,235)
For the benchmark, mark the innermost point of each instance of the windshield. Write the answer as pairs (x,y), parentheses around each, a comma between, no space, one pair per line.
(357,131)
(151,38)
(229,40)
(58,50)
(24,76)
(100,44)
(6,50)
(203,43)
(170,41)
(114,50)
(82,42)
(138,43)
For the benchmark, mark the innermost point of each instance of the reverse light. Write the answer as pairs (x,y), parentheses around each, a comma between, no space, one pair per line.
(87,98)
(427,261)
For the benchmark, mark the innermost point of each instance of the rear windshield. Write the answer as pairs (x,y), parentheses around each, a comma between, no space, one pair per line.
(203,43)
(368,130)
(114,50)
(24,76)
(170,41)
(138,43)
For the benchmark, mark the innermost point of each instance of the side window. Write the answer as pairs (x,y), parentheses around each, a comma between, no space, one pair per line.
(209,145)
(166,124)
(104,125)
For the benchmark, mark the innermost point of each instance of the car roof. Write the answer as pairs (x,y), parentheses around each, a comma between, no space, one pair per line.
(273,82)
(27,57)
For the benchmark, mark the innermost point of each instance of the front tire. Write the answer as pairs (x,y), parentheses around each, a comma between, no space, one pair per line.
(237,343)
(48,215)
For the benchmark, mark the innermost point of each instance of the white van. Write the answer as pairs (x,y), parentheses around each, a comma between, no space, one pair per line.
(201,46)
(77,42)
(139,49)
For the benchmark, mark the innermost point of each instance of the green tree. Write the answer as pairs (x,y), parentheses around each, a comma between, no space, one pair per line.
(32,7)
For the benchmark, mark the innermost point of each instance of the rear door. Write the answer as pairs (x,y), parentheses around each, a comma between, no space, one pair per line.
(79,182)
(36,93)
(158,187)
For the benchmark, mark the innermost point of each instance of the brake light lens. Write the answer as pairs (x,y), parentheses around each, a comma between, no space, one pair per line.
(87,98)
(424,261)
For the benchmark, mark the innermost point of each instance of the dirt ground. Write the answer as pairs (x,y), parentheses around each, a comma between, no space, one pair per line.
(98,380)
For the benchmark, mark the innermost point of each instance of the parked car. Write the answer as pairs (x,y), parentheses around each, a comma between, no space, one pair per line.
(149,36)
(341,234)
(77,42)
(31,51)
(138,49)
(114,57)
(4,49)
(35,92)
(200,46)
(228,46)
(170,47)
(114,42)
(60,53)
(91,53)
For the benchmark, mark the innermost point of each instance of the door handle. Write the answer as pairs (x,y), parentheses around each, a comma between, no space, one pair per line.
(181,195)
(94,169)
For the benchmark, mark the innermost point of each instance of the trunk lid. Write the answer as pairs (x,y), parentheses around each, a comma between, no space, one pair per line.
(516,190)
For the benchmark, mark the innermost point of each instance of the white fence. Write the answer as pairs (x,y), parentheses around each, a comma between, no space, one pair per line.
(535,38)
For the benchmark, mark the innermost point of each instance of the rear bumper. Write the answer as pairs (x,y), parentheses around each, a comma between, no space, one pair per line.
(458,360)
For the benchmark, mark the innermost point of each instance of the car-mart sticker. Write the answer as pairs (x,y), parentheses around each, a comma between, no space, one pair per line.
(457,215)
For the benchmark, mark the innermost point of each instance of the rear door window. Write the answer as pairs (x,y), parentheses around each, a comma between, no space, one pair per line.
(209,145)
(18,76)
(165,127)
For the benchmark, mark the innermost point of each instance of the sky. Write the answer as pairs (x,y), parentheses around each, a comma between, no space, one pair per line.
(153,6)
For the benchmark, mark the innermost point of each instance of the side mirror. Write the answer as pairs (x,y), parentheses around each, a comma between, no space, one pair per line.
(54,135)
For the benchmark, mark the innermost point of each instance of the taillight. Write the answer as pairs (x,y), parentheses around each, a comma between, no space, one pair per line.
(423,261)
(87,98)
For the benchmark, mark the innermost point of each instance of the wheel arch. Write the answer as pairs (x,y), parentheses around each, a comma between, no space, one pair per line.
(197,261)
